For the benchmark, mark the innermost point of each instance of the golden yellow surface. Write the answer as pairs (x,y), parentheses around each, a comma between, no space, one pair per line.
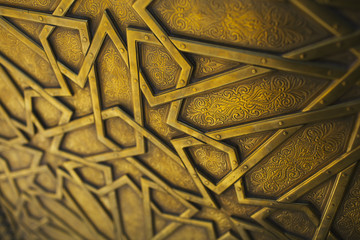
(179,119)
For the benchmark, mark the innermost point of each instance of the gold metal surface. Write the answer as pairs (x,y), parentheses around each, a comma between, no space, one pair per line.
(179,119)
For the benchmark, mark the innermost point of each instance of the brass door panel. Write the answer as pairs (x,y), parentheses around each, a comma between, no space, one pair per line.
(179,119)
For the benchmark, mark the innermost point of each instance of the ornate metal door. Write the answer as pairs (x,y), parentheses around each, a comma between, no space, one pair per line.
(179,119)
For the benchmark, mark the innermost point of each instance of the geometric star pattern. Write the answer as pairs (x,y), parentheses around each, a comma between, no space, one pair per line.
(180,119)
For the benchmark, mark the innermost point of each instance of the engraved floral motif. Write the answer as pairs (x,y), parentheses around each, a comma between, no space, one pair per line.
(301,155)
(36,4)
(164,166)
(27,59)
(157,121)
(212,161)
(122,11)
(250,142)
(159,66)
(348,221)
(318,196)
(205,66)
(260,24)
(256,99)
(295,222)
(68,46)
(114,77)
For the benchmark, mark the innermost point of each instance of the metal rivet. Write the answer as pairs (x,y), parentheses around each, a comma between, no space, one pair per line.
(285,133)
(122,50)
(146,37)
(344,175)
(206,182)
(182,82)
(218,136)
(84,39)
(328,172)
(91,54)
(263,60)
(288,198)
(348,109)
(253,71)
(238,188)
(61,10)
(302,56)
(343,83)
(143,86)
(41,18)
(322,101)
(182,45)
(329,73)
(281,123)
(135,80)
(188,143)
(338,44)
(234,162)
(358,135)
(335,26)
(163,38)
(246,167)
(328,217)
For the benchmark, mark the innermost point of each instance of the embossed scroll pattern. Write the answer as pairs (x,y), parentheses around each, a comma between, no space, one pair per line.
(246,23)
(115,77)
(205,66)
(348,221)
(68,46)
(31,62)
(122,11)
(178,119)
(157,121)
(295,222)
(300,156)
(212,161)
(254,99)
(159,66)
